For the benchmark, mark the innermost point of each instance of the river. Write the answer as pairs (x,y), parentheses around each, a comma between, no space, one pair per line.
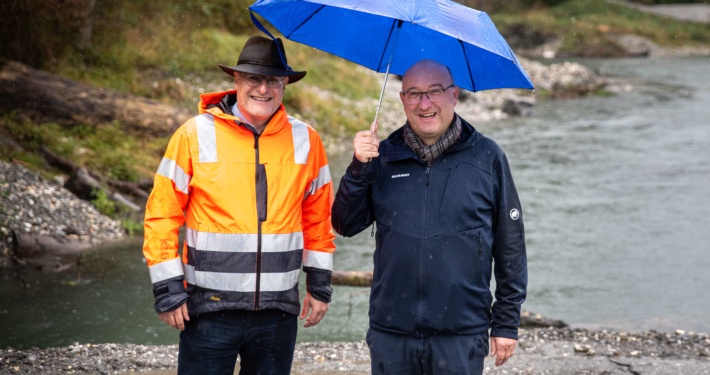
(616,195)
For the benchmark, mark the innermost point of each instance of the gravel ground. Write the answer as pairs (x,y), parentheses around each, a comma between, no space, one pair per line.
(30,203)
(540,351)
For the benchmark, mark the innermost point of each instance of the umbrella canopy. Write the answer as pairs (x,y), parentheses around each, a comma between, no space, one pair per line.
(367,32)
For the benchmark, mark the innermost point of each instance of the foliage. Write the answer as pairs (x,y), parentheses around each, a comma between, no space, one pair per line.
(102,203)
(132,226)
(36,31)
(105,149)
(650,2)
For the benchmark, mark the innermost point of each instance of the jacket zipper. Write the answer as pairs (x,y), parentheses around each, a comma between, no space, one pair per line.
(257,295)
(421,248)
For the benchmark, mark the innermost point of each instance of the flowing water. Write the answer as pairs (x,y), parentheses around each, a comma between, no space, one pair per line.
(616,195)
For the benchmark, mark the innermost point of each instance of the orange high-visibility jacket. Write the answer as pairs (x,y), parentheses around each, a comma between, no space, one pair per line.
(257,207)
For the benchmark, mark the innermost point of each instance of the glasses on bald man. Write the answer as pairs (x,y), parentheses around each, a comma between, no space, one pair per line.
(435,95)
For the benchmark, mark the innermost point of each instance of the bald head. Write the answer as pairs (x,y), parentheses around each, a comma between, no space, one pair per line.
(429,68)
(429,97)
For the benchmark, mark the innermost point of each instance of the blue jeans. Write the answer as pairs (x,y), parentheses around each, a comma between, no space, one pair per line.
(433,354)
(264,339)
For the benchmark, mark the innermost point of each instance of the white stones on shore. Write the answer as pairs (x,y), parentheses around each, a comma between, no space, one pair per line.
(331,356)
(538,349)
(30,203)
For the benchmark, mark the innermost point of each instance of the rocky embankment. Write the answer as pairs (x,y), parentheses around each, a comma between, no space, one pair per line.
(31,204)
(539,351)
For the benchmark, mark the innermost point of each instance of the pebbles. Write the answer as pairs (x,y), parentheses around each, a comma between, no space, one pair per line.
(30,203)
(333,357)
(615,344)
(94,359)
(539,351)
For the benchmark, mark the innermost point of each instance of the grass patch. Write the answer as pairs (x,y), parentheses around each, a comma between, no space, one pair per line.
(132,227)
(329,115)
(140,42)
(104,205)
(105,149)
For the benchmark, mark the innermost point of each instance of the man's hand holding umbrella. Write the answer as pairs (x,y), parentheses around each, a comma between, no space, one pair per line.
(367,144)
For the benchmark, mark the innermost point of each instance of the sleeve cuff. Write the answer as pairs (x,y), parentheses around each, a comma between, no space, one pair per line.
(507,333)
(357,169)
(318,284)
(169,295)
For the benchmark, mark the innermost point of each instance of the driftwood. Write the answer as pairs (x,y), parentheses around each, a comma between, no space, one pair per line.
(128,187)
(351,278)
(145,184)
(83,182)
(28,245)
(44,96)
(60,162)
(84,185)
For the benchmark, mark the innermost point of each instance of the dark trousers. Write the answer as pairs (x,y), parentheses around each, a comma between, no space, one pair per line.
(264,340)
(431,355)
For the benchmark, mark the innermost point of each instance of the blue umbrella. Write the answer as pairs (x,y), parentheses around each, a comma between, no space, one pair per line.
(390,36)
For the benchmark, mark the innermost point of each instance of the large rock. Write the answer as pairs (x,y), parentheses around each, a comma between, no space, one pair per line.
(519,106)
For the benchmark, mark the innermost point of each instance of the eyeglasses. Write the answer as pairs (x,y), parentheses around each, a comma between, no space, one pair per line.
(272,82)
(435,95)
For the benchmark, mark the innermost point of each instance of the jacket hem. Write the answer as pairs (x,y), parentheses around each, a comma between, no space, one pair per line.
(203,309)
(428,332)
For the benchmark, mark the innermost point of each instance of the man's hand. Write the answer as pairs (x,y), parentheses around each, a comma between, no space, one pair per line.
(366,144)
(503,348)
(175,318)
(317,309)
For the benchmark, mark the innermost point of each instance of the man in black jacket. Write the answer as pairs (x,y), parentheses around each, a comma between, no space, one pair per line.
(446,207)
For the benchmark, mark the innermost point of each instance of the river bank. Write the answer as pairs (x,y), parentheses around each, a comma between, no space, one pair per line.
(539,351)
(29,203)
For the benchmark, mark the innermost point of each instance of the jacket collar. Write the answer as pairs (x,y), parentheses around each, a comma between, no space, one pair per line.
(397,149)
(220,105)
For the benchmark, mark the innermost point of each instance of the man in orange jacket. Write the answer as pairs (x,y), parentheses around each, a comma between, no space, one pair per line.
(253,187)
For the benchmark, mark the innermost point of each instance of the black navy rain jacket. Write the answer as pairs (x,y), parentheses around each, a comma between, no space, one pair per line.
(439,229)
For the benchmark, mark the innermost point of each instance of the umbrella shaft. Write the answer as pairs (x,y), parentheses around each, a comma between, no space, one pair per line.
(387,73)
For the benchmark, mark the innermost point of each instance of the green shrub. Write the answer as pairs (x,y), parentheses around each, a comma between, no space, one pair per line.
(132,226)
(102,203)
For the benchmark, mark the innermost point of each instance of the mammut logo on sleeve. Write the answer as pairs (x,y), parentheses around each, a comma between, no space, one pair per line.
(215,298)
(514,214)
(400,175)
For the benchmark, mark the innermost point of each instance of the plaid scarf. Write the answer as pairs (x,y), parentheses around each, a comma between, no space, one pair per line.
(429,153)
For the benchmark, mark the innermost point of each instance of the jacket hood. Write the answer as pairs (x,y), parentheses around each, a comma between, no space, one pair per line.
(220,105)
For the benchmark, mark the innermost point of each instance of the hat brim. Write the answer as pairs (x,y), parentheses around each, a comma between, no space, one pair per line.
(293,77)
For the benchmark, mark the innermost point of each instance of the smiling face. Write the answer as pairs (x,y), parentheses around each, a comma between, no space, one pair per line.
(257,104)
(428,119)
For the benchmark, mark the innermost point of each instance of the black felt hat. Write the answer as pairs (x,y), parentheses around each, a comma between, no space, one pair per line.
(261,56)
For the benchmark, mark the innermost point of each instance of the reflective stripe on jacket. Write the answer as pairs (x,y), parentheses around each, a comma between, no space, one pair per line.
(257,208)
(439,228)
